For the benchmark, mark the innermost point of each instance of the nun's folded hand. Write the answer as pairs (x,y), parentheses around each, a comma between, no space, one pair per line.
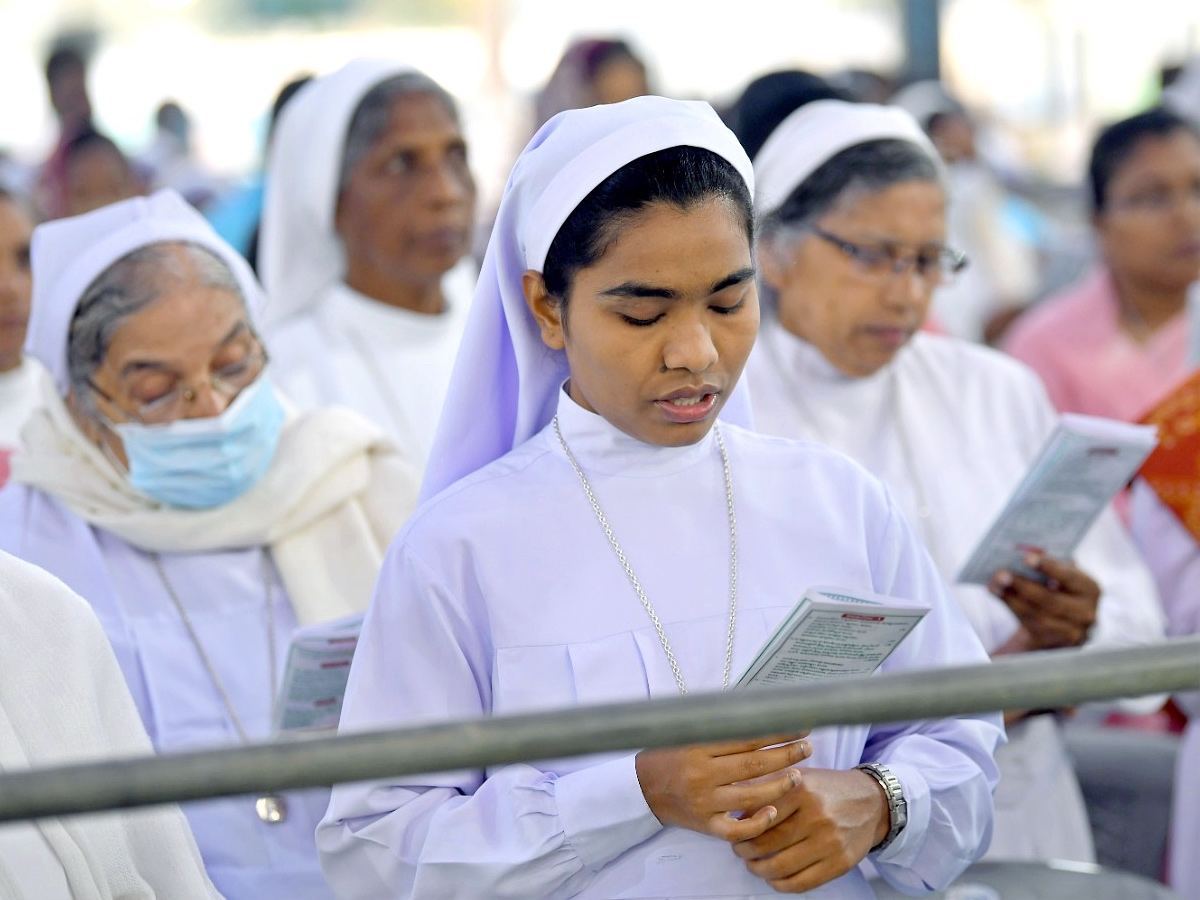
(1058,612)
(705,787)
(825,827)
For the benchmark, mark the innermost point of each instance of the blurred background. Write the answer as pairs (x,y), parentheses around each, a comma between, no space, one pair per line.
(1039,75)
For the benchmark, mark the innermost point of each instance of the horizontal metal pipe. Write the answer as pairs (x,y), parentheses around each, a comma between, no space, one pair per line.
(1047,679)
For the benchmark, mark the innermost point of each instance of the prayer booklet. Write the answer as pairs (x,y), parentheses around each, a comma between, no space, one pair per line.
(1082,466)
(314,677)
(833,632)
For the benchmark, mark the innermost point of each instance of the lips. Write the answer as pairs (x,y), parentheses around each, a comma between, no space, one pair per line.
(893,336)
(689,405)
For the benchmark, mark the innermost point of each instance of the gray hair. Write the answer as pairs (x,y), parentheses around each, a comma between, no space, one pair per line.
(128,286)
(865,168)
(370,118)
(862,170)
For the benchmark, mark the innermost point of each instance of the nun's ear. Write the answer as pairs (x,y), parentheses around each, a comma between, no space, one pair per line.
(546,308)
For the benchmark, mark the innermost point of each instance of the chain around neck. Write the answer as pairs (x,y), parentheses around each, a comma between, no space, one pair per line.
(633,579)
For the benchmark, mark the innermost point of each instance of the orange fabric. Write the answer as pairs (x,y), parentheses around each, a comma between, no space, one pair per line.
(1173,469)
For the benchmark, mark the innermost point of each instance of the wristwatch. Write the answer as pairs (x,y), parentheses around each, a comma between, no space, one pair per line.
(893,790)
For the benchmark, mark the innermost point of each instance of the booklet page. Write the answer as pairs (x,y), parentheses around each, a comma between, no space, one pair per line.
(315,675)
(1082,466)
(832,633)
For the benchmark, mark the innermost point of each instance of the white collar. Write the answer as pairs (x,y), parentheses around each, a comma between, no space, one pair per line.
(600,447)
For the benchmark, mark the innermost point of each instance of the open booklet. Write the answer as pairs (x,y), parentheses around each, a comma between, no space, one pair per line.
(1082,466)
(315,674)
(833,632)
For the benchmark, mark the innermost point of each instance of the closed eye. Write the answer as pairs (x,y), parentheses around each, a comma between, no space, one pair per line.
(726,310)
(640,323)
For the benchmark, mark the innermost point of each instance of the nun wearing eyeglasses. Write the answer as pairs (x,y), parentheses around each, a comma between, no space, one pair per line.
(597,527)
(853,210)
(166,482)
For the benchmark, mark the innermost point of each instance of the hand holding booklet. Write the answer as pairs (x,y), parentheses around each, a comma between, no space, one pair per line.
(833,632)
(1082,466)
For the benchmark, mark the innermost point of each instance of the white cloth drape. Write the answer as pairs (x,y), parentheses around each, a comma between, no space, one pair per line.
(63,700)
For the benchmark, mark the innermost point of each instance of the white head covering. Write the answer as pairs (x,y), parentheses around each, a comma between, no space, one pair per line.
(505,382)
(817,132)
(300,253)
(67,255)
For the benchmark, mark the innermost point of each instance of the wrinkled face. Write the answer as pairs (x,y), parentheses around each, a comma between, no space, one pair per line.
(1149,229)
(659,329)
(97,176)
(189,336)
(406,213)
(16,284)
(859,320)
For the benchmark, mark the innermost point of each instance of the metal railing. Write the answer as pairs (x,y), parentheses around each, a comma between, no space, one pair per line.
(1047,679)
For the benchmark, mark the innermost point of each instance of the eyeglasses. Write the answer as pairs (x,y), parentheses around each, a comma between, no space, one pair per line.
(883,261)
(227,381)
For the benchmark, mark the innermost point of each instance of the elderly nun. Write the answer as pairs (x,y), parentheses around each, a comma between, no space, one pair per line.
(166,482)
(659,545)
(365,235)
(853,205)
(64,701)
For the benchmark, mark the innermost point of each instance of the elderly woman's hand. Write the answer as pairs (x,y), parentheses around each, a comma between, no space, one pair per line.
(707,787)
(826,825)
(1058,613)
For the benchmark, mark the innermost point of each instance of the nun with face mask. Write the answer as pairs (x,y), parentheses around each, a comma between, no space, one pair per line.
(852,203)
(658,546)
(166,482)
(365,234)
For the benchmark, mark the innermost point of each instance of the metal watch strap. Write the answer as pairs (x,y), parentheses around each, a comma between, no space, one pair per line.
(893,790)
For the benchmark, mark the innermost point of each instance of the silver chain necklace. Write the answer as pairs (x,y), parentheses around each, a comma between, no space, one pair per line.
(271,808)
(633,579)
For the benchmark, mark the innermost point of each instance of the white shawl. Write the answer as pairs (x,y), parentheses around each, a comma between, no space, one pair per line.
(334,496)
(63,700)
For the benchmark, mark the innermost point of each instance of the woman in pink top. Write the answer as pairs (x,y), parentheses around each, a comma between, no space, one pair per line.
(1116,343)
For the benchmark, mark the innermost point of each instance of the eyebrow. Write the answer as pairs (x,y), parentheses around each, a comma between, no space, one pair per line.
(637,289)
(142,365)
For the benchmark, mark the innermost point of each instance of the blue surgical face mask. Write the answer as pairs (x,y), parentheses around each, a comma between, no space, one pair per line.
(202,463)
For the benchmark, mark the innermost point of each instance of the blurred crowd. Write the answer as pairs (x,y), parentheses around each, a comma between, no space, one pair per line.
(220,399)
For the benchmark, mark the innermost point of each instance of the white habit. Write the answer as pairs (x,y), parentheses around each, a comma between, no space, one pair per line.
(508,597)
(1174,558)
(63,701)
(390,365)
(951,428)
(20,393)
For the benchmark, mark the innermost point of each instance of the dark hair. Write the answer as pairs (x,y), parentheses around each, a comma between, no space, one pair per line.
(770,99)
(871,166)
(680,176)
(1119,141)
(91,139)
(62,59)
(370,118)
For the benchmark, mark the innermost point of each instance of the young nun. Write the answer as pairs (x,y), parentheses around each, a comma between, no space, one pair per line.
(853,245)
(365,234)
(64,701)
(165,482)
(615,313)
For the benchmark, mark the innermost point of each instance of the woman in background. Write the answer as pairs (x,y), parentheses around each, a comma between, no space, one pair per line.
(853,245)
(1115,344)
(164,480)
